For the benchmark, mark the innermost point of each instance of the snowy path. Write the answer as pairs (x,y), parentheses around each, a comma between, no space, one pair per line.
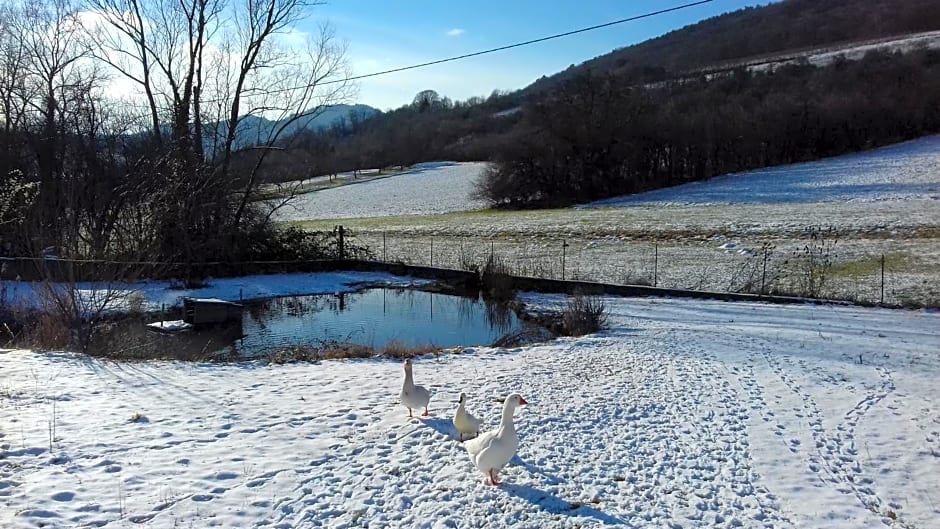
(683,414)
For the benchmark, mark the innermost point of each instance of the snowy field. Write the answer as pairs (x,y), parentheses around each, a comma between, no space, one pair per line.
(682,414)
(880,202)
(904,172)
(437,187)
(900,172)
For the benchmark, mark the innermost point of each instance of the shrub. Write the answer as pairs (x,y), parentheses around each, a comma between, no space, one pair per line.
(47,331)
(497,279)
(584,315)
(135,303)
(814,262)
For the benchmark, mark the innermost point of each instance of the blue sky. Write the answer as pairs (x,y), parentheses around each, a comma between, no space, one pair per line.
(385,34)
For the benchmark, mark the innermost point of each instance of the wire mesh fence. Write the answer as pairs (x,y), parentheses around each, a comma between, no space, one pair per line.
(817,269)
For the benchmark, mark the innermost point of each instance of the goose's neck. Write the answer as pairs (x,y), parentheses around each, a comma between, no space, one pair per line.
(409,378)
(507,424)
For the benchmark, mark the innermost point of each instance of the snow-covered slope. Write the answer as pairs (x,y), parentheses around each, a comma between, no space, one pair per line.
(904,171)
(683,414)
(434,187)
(907,171)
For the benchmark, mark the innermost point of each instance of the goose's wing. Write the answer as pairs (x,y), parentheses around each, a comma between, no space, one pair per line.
(422,395)
(474,422)
(465,422)
(479,444)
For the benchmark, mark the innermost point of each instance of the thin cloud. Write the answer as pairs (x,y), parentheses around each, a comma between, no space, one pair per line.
(456,32)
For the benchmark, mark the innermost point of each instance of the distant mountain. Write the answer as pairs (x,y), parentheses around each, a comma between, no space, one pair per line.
(257,129)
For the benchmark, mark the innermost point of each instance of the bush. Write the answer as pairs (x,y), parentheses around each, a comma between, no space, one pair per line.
(497,279)
(584,315)
(296,244)
(48,332)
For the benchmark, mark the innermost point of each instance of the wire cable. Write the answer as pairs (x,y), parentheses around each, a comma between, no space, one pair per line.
(313,85)
(520,44)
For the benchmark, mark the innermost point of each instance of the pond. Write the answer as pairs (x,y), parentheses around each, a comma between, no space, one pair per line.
(374,318)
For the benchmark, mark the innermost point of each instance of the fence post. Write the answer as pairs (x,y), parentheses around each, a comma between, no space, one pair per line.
(564,244)
(882,279)
(342,244)
(763,275)
(655,262)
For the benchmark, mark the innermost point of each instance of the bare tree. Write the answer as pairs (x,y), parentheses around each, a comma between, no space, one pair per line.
(210,71)
(12,77)
(45,80)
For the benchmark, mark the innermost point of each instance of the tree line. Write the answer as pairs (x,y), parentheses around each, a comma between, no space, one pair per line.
(596,136)
(647,115)
(431,127)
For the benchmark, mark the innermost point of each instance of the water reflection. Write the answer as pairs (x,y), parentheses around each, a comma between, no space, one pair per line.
(373,318)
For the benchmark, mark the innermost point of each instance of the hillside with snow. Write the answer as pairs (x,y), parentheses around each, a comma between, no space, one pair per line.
(901,172)
(908,171)
(424,189)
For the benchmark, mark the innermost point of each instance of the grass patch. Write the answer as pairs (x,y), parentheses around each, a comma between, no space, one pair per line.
(412,221)
(395,349)
(870,266)
(46,332)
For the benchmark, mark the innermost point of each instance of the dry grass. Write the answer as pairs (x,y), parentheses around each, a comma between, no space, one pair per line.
(584,315)
(48,332)
(345,350)
(396,349)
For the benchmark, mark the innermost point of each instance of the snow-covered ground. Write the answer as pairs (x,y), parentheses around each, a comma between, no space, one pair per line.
(901,172)
(822,57)
(427,188)
(880,202)
(682,414)
(904,172)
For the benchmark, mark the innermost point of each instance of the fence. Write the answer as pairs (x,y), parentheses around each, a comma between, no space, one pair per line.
(818,268)
(55,269)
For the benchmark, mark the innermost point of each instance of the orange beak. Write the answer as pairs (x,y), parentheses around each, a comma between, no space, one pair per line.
(522,401)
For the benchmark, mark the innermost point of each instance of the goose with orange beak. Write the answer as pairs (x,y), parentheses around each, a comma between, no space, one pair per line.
(491,450)
(413,396)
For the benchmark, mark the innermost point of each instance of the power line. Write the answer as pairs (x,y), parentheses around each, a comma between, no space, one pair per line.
(483,52)
(520,44)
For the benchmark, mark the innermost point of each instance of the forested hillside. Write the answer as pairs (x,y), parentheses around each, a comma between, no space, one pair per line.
(692,127)
(593,138)
(760,31)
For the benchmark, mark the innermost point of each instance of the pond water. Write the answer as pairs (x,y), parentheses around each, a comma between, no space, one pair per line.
(373,317)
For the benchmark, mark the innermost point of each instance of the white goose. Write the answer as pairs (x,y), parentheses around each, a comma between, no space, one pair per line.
(493,449)
(465,423)
(413,396)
